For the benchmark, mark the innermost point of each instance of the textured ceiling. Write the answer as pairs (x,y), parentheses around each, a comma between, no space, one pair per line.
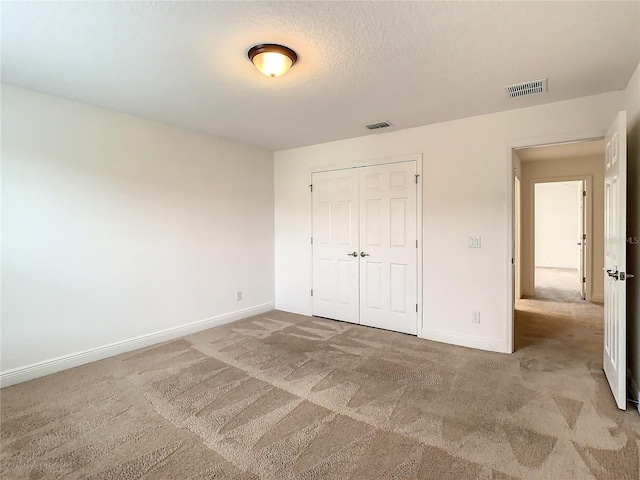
(563,151)
(411,63)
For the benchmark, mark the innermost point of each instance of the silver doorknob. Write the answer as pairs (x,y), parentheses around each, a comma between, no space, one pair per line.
(354,254)
(614,273)
(362,254)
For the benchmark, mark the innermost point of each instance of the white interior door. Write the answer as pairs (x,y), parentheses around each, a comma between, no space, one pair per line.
(582,239)
(335,245)
(388,234)
(615,312)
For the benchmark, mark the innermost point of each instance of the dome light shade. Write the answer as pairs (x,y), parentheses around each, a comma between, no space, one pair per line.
(271,59)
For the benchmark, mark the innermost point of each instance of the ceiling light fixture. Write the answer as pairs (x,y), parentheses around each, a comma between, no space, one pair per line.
(271,59)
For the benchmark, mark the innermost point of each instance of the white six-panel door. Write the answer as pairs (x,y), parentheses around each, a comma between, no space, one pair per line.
(388,267)
(369,212)
(615,260)
(335,245)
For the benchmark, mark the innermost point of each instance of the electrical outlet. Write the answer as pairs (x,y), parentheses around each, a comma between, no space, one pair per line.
(475,318)
(238,296)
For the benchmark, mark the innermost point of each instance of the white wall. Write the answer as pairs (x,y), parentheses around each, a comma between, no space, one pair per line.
(557,224)
(114,227)
(467,190)
(632,105)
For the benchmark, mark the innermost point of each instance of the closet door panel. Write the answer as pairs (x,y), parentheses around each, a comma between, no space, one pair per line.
(335,239)
(369,212)
(388,234)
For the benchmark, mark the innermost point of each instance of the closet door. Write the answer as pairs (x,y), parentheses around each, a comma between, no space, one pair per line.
(388,234)
(335,245)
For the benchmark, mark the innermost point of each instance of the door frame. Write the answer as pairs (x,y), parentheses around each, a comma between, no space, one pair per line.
(588,228)
(415,157)
(510,147)
(517,232)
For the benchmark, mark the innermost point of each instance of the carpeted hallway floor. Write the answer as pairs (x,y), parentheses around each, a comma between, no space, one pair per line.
(281,396)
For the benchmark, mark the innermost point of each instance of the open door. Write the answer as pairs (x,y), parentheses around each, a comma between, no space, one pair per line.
(615,265)
(582,241)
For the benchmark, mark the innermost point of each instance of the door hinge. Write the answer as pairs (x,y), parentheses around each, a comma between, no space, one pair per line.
(584,236)
(311,240)
(311,187)
(417,177)
(584,193)
(416,243)
(584,279)
(312,292)
(416,308)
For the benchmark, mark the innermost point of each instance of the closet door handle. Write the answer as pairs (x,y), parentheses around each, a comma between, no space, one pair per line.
(362,254)
(354,254)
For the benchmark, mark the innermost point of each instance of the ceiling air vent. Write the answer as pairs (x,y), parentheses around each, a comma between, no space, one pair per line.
(374,126)
(526,88)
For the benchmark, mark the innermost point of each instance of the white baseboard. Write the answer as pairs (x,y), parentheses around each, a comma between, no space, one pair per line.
(635,388)
(465,341)
(40,369)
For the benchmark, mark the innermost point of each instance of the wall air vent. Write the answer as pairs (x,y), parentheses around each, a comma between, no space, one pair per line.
(374,126)
(526,88)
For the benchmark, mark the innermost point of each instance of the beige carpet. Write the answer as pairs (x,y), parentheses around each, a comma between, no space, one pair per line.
(558,284)
(281,396)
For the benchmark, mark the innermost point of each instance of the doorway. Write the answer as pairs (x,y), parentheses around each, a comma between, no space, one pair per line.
(566,230)
(560,237)
(608,216)
(558,217)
